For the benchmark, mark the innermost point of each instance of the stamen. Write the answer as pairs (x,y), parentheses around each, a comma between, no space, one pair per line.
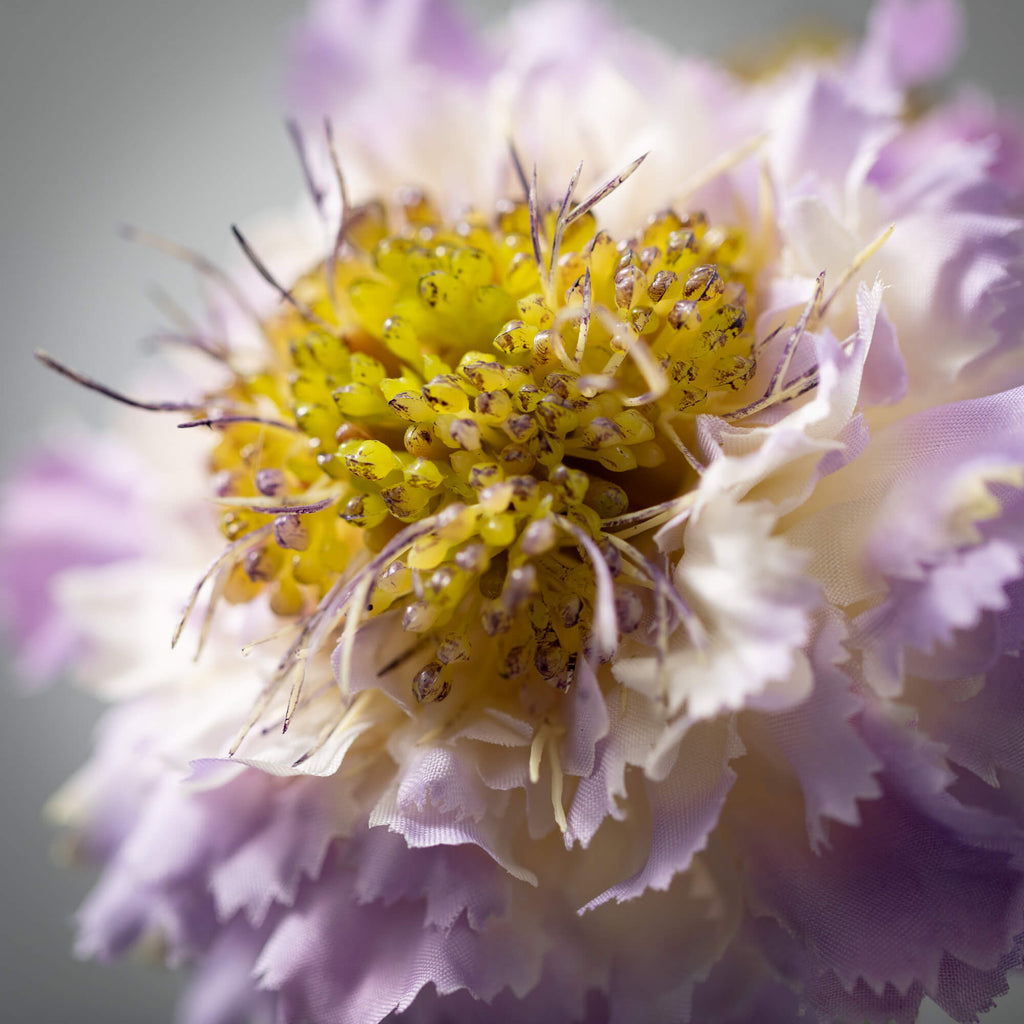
(300,307)
(219,422)
(560,223)
(603,190)
(232,553)
(585,314)
(777,390)
(670,432)
(517,166)
(778,377)
(343,215)
(855,267)
(94,385)
(535,223)
(604,626)
(189,332)
(192,341)
(359,708)
(289,509)
(219,587)
(315,191)
(540,737)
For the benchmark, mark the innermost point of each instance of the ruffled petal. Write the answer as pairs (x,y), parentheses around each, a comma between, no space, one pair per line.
(753,600)
(855,910)
(77,506)
(382,956)
(684,808)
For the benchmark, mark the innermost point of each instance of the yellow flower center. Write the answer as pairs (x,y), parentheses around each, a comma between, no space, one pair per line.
(466,412)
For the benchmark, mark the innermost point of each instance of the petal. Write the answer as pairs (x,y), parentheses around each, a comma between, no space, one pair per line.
(820,742)
(749,591)
(684,808)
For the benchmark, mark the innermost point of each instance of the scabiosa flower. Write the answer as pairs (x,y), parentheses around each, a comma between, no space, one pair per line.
(615,611)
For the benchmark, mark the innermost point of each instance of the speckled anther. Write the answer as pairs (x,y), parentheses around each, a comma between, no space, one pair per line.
(463,413)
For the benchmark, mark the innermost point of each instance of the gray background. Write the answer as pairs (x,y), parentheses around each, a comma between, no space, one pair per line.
(166,115)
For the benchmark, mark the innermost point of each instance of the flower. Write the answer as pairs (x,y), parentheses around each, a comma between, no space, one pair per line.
(613,569)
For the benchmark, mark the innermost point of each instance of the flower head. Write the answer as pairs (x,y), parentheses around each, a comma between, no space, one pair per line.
(614,612)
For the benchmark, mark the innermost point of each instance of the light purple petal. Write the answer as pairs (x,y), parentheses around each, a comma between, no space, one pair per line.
(451,880)
(910,42)
(819,740)
(345,46)
(290,844)
(684,808)
(923,878)
(588,722)
(984,732)
(635,728)
(338,962)
(439,799)
(69,508)
(222,989)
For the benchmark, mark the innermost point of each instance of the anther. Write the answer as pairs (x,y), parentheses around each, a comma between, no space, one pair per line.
(270,482)
(704,283)
(648,256)
(290,532)
(629,282)
(261,566)
(454,647)
(684,314)
(519,586)
(473,559)
(570,611)
(431,683)
(419,616)
(538,538)
(515,664)
(440,580)
(661,283)
(550,658)
(678,243)
(629,610)
(495,619)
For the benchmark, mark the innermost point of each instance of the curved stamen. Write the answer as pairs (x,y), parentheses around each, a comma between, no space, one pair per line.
(94,385)
(226,421)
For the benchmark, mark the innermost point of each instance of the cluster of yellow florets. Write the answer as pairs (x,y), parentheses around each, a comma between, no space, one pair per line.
(515,385)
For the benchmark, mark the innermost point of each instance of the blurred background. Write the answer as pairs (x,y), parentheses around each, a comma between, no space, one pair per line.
(168,116)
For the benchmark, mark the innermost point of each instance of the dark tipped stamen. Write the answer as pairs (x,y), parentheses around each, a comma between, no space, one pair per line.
(261,268)
(316,506)
(560,221)
(517,166)
(315,191)
(343,215)
(169,307)
(604,190)
(94,385)
(535,225)
(225,421)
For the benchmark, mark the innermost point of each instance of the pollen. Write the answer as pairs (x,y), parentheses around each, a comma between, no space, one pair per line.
(466,410)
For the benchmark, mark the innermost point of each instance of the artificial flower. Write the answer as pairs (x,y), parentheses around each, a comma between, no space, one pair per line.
(599,532)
